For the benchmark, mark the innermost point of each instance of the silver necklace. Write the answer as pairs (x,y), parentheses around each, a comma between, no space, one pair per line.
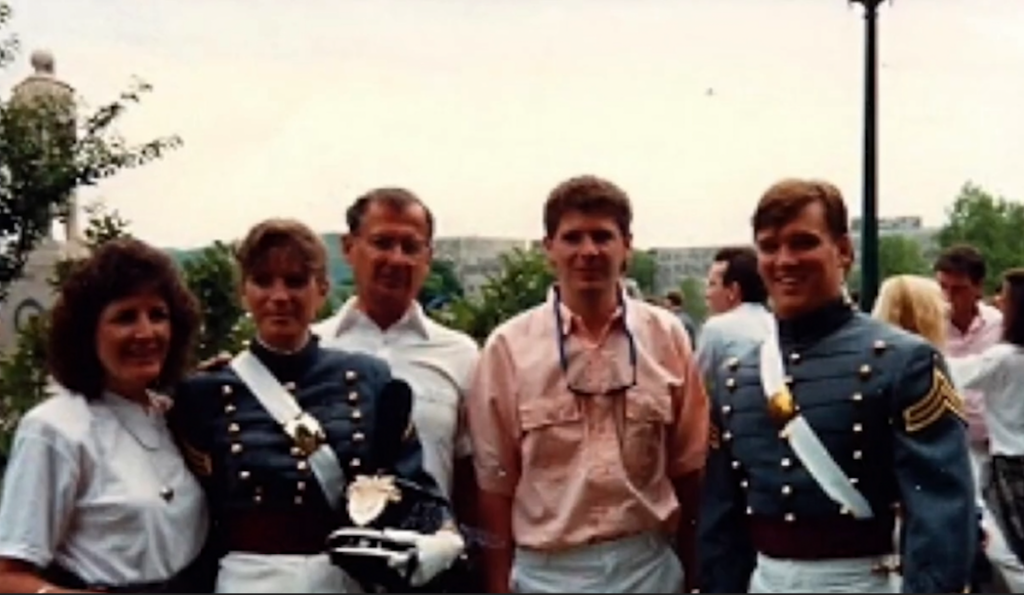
(127,428)
(166,492)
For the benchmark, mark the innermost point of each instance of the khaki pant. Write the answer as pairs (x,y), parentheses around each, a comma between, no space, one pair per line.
(638,564)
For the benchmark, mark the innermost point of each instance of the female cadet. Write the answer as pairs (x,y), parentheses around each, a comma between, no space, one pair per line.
(96,494)
(279,433)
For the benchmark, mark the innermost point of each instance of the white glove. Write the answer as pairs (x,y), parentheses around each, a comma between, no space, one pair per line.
(435,553)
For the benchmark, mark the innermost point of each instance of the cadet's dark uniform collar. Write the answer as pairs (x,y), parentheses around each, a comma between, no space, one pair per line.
(811,327)
(287,365)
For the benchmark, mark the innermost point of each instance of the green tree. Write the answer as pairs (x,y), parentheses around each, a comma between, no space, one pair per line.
(897,255)
(522,283)
(442,286)
(643,269)
(42,162)
(335,299)
(210,275)
(692,289)
(992,224)
(23,374)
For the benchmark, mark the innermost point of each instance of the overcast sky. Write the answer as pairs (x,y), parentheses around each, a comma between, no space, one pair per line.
(481,106)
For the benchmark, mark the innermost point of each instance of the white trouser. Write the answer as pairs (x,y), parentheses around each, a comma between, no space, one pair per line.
(1008,569)
(260,573)
(850,575)
(639,564)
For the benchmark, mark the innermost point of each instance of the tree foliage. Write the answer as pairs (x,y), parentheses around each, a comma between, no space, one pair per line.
(442,286)
(897,255)
(210,275)
(23,373)
(992,224)
(522,283)
(44,158)
(644,270)
(694,303)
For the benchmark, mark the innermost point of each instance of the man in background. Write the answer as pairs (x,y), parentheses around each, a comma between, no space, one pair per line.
(737,295)
(973,327)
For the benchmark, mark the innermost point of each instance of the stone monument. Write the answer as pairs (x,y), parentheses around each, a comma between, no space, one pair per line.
(42,89)
(33,294)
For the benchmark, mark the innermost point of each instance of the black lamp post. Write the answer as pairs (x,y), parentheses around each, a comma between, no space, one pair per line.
(869,215)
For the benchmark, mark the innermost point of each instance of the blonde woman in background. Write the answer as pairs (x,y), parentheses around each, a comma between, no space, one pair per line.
(915,304)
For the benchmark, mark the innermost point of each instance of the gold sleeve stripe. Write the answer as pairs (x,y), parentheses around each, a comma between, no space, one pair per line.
(714,438)
(942,397)
(200,462)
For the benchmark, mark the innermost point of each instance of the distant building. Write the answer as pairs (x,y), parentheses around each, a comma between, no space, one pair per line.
(476,258)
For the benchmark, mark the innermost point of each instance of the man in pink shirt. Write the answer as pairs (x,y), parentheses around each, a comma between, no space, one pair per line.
(973,327)
(589,421)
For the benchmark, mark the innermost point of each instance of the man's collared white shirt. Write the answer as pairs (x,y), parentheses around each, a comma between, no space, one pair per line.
(436,361)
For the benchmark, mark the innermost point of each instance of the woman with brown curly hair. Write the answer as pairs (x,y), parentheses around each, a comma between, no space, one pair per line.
(96,494)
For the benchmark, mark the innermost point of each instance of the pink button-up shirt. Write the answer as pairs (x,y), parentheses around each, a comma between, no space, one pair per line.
(585,469)
(984,331)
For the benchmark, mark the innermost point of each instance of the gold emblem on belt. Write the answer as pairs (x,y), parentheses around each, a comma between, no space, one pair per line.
(306,433)
(782,406)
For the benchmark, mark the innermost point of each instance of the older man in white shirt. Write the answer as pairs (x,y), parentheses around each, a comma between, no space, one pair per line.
(388,246)
(737,296)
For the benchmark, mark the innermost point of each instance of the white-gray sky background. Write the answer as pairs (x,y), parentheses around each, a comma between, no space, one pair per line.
(293,108)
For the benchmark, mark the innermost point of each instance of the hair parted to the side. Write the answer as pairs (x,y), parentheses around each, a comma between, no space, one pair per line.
(783,202)
(741,269)
(963,259)
(589,195)
(118,269)
(393,197)
(291,235)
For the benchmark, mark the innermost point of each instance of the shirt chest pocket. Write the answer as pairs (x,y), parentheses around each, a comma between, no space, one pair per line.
(552,430)
(646,420)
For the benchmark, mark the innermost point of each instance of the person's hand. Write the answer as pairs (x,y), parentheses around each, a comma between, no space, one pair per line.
(435,553)
(218,361)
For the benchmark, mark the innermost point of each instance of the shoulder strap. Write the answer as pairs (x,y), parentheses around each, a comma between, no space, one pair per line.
(804,442)
(303,429)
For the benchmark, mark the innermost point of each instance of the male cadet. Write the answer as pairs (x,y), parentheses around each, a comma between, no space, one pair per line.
(737,296)
(389,247)
(972,327)
(824,429)
(589,421)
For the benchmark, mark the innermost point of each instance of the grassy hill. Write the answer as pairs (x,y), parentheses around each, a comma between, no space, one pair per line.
(338,269)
